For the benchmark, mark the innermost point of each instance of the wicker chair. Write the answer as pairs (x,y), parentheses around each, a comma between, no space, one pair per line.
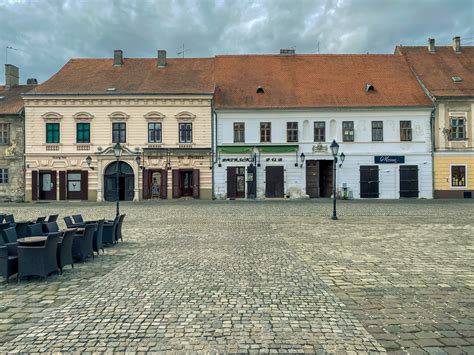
(8,261)
(98,245)
(71,224)
(64,255)
(38,260)
(9,239)
(109,231)
(51,227)
(82,246)
(52,218)
(78,218)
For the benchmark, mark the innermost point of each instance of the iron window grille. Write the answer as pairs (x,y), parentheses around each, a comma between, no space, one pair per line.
(458,175)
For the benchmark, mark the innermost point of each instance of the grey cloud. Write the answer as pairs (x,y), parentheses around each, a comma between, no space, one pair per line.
(49,32)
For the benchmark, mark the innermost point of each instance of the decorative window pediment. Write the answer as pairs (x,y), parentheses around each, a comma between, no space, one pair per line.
(154,115)
(83,116)
(118,115)
(51,116)
(185,115)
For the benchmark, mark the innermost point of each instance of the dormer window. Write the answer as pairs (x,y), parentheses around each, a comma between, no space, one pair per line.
(111,89)
(260,90)
(369,87)
(457,79)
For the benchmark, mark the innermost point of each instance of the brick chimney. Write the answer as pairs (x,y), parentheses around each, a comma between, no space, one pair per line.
(12,75)
(431,45)
(161,58)
(118,57)
(457,44)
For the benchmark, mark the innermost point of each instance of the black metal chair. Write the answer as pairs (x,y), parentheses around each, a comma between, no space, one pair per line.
(118,231)
(71,224)
(82,246)
(38,260)
(52,218)
(9,239)
(64,255)
(51,227)
(98,245)
(109,231)
(8,261)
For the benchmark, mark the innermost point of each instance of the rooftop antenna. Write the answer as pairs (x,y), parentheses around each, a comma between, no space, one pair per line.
(181,51)
(6,52)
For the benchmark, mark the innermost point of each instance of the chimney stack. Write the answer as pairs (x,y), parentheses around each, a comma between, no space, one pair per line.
(161,58)
(31,81)
(118,57)
(12,76)
(457,44)
(431,45)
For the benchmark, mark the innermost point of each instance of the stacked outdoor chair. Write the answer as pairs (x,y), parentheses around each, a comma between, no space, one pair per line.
(40,219)
(118,232)
(9,219)
(38,260)
(98,245)
(36,229)
(51,227)
(52,218)
(109,231)
(82,246)
(64,252)
(8,254)
(71,224)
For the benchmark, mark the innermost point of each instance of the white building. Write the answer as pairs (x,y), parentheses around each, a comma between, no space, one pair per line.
(273,130)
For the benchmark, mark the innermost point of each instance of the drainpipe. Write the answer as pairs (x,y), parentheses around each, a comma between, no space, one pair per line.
(433,140)
(22,116)
(213,145)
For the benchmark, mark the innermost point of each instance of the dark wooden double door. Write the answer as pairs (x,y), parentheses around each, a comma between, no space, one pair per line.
(235,182)
(155,183)
(275,181)
(319,178)
(369,181)
(409,181)
(186,183)
(73,185)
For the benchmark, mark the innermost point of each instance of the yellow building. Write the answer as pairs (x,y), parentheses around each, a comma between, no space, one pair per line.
(447,76)
(159,110)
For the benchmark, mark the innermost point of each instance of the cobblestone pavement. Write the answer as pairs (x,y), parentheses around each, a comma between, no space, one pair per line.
(273,276)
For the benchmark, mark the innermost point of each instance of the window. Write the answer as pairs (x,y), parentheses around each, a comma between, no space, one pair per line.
(3,176)
(52,132)
(348,131)
(265,132)
(239,132)
(83,133)
(74,182)
(4,133)
(457,128)
(319,131)
(292,131)
(119,132)
(458,175)
(377,131)
(405,130)
(154,132)
(185,133)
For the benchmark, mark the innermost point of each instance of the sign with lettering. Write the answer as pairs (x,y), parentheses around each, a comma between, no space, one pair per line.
(389,159)
(320,148)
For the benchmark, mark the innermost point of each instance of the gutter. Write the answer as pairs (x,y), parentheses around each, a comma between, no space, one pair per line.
(214,146)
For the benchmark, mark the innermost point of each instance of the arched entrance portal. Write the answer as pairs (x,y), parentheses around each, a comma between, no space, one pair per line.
(126,182)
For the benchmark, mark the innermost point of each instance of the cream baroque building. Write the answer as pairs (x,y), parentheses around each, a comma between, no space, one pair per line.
(159,110)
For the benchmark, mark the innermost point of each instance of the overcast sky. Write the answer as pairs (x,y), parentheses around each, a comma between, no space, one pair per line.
(47,33)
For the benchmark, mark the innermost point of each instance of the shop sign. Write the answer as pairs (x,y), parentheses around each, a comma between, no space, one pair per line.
(237,160)
(389,159)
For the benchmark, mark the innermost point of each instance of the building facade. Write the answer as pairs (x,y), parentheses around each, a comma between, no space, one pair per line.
(158,110)
(446,74)
(273,140)
(12,147)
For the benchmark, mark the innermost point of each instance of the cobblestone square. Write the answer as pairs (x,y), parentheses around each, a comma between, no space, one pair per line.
(257,277)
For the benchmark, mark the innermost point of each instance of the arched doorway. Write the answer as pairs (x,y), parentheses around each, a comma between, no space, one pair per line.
(126,182)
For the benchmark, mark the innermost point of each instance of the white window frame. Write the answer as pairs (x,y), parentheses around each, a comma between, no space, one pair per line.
(466,128)
(2,174)
(451,176)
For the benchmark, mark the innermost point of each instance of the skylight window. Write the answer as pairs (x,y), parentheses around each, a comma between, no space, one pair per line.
(369,87)
(2,97)
(457,79)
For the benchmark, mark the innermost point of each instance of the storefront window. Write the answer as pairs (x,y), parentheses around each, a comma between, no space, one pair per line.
(458,176)
(74,182)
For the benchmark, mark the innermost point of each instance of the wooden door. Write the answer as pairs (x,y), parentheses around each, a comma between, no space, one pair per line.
(62,185)
(231,182)
(274,181)
(176,184)
(146,176)
(251,181)
(409,181)
(312,178)
(164,184)
(195,183)
(240,182)
(47,185)
(325,177)
(34,185)
(369,181)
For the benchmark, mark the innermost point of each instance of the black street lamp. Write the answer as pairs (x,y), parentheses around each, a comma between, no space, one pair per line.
(334,151)
(117,152)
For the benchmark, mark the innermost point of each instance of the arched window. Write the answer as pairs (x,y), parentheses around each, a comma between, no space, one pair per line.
(124,169)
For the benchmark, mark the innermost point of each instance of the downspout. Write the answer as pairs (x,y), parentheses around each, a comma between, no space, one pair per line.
(214,148)
(433,140)
(22,116)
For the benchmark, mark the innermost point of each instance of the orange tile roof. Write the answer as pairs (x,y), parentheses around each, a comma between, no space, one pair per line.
(180,76)
(12,103)
(311,81)
(435,70)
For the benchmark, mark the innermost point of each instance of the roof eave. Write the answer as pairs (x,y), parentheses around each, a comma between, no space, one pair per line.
(116,94)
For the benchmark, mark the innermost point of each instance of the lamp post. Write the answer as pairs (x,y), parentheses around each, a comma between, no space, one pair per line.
(117,152)
(334,151)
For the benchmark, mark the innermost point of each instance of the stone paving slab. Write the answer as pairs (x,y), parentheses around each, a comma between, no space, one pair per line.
(273,276)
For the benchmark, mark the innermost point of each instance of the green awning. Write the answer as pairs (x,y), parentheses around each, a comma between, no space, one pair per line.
(247,149)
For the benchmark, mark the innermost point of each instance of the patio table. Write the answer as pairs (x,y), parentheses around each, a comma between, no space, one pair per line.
(32,241)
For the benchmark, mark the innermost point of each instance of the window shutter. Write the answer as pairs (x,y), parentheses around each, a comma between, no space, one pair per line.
(54,181)
(84,185)
(176,187)
(164,184)
(63,185)
(34,185)
(231,182)
(146,184)
(196,186)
